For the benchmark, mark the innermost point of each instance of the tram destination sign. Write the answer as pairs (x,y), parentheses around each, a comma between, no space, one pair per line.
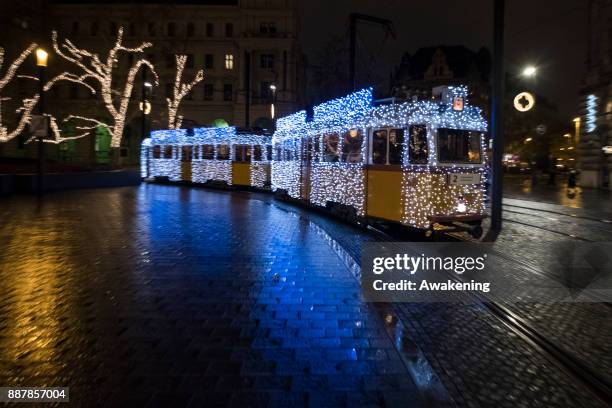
(463,178)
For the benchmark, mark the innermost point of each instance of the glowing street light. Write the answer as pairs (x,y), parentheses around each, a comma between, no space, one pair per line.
(272,110)
(529,139)
(148,85)
(41,57)
(530,71)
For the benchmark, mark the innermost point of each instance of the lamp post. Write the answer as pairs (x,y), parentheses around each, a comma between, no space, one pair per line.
(41,62)
(145,107)
(272,112)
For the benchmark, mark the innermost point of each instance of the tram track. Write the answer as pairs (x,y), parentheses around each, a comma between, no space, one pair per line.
(575,216)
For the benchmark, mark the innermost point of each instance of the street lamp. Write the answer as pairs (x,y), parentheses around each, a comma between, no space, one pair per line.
(41,62)
(273,89)
(577,129)
(529,71)
(529,139)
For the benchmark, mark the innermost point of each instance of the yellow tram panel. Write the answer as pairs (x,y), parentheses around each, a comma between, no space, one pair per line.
(241,174)
(384,194)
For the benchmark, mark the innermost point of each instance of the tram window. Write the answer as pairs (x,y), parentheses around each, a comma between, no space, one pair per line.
(186,153)
(458,146)
(156,152)
(330,147)
(351,146)
(257,153)
(208,152)
(242,153)
(417,144)
(396,143)
(288,150)
(196,152)
(307,149)
(379,147)
(268,153)
(167,152)
(278,153)
(223,152)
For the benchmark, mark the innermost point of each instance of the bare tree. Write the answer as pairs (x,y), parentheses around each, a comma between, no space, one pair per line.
(180,91)
(27,104)
(97,76)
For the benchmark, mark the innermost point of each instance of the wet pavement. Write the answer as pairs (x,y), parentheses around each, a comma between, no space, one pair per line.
(172,296)
(596,201)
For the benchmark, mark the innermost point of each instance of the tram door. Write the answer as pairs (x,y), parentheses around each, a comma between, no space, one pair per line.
(186,157)
(385,174)
(306,162)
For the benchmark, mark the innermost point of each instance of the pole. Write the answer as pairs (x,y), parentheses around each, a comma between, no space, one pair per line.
(41,144)
(352,50)
(497,119)
(143,103)
(247,88)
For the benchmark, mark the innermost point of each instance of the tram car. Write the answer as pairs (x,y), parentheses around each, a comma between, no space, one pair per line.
(213,156)
(418,163)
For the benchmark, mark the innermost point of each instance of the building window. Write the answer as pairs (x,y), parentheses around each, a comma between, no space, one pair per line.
(93,30)
(171,32)
(75,28)
(264,91)
(210,29)
(227,92)
(190,30)
(267,28)
(266,61)
(208,92)
(229,30)
(151,29)
(209,61)
(229,61)
(113,29)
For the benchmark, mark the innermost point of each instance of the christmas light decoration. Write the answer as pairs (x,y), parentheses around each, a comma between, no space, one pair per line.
(591,113)
(27,105)
(425,189)
(218,167)
(100,72)
(180,91)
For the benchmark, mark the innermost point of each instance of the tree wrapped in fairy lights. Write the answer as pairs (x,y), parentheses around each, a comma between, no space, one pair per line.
(180,91)
(96,74)
(27,104)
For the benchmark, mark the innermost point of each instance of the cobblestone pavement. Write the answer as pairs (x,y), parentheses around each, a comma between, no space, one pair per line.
(167,296)
(170,296)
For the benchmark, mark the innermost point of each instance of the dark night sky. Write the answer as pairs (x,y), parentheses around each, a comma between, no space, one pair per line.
(550,34)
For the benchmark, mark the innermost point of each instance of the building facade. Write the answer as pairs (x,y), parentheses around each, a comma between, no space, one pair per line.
(430,67)
(243,46)
(594,158)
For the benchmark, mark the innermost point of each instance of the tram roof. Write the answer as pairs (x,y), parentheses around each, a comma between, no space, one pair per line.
(357,110)
(208,135)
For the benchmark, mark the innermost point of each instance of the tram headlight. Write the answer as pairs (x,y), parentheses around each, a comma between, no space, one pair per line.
(461,207)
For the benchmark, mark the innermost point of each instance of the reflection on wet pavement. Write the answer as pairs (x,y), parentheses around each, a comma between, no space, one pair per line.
(174,296)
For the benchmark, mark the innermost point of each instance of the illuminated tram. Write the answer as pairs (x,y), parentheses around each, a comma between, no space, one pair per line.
(420,164)
(214,156)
